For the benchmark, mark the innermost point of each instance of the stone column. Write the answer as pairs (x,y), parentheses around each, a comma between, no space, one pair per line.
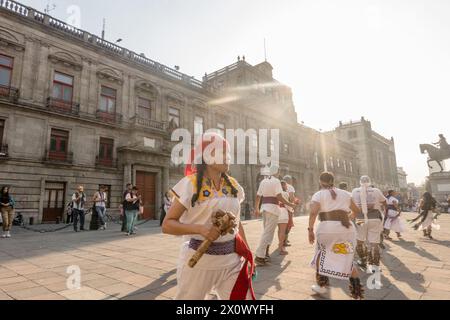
(29,70)
(42,77)
(85,84)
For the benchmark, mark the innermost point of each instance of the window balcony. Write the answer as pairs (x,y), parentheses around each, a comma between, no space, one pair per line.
(63,106)
(148,123)
(109,117)
(106,163)
(59,157)
(9,93)
(3,151)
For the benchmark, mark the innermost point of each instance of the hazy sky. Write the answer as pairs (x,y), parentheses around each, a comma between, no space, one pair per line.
(386,60)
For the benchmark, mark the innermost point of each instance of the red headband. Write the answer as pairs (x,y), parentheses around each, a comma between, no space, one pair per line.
(206,140)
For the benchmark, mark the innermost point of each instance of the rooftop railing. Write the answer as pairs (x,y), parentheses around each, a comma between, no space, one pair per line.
(55,24)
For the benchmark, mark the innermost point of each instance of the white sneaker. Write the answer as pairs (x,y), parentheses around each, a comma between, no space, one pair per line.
(4,235)
(8,234)
(319,290)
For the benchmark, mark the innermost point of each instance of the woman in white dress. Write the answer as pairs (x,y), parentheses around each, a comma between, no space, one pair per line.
(227,266)
(393,221)
(335,237)
(283,220)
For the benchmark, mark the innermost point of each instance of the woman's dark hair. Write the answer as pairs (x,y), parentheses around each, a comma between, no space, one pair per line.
(390,194)
(201,168)
(327,181)
(3,190)
(427,197)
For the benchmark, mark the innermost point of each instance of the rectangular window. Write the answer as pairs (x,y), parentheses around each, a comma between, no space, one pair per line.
(144,108)
(338,163)
(108,99)
(272,146)
(331,163)
(59,141)
(63,87)
(198,128)
(105,154)
(174,118)
(345,165)
(6,67)
(351,166)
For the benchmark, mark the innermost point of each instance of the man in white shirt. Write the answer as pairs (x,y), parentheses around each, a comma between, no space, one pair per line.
(78,200)
(268,197)
(369,224)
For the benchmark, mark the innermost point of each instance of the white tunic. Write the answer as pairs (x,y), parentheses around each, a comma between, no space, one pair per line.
(270,187)
(210,201)
(335,243)
(393,221)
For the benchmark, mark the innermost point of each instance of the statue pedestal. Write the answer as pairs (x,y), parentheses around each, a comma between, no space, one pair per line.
(440,185)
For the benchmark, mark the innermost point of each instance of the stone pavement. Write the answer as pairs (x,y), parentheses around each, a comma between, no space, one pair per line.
(113,266)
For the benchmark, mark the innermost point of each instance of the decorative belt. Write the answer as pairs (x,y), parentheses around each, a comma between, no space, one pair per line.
(336,215)
(372,214)
(270,200)
(216,248)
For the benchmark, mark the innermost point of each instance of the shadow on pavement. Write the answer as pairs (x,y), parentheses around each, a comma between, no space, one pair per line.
(412,246)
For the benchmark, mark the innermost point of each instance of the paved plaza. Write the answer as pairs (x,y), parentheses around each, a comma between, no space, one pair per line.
(113,266)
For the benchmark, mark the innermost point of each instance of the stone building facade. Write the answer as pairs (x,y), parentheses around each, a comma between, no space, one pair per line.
(376,154)
(78,110)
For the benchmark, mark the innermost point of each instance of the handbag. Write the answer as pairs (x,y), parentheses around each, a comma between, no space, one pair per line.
(141,210)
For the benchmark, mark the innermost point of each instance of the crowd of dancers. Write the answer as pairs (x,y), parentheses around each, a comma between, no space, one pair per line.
(348,236)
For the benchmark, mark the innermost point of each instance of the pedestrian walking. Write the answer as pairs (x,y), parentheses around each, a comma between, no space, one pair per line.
(131,207)
(100,199)
(79,201)
(7,204)
(128,189)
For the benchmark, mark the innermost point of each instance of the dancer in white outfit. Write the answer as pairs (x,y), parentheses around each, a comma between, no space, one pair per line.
(270,195)
(335,237)
(393,221)
(369,223)
(206,189)
(426,218)
(283,220)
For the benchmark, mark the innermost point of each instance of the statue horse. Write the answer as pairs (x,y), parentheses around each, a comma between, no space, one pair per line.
(435,154)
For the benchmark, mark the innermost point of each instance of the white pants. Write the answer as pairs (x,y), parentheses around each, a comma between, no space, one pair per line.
(270,222)
(196,284)
(369,231)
